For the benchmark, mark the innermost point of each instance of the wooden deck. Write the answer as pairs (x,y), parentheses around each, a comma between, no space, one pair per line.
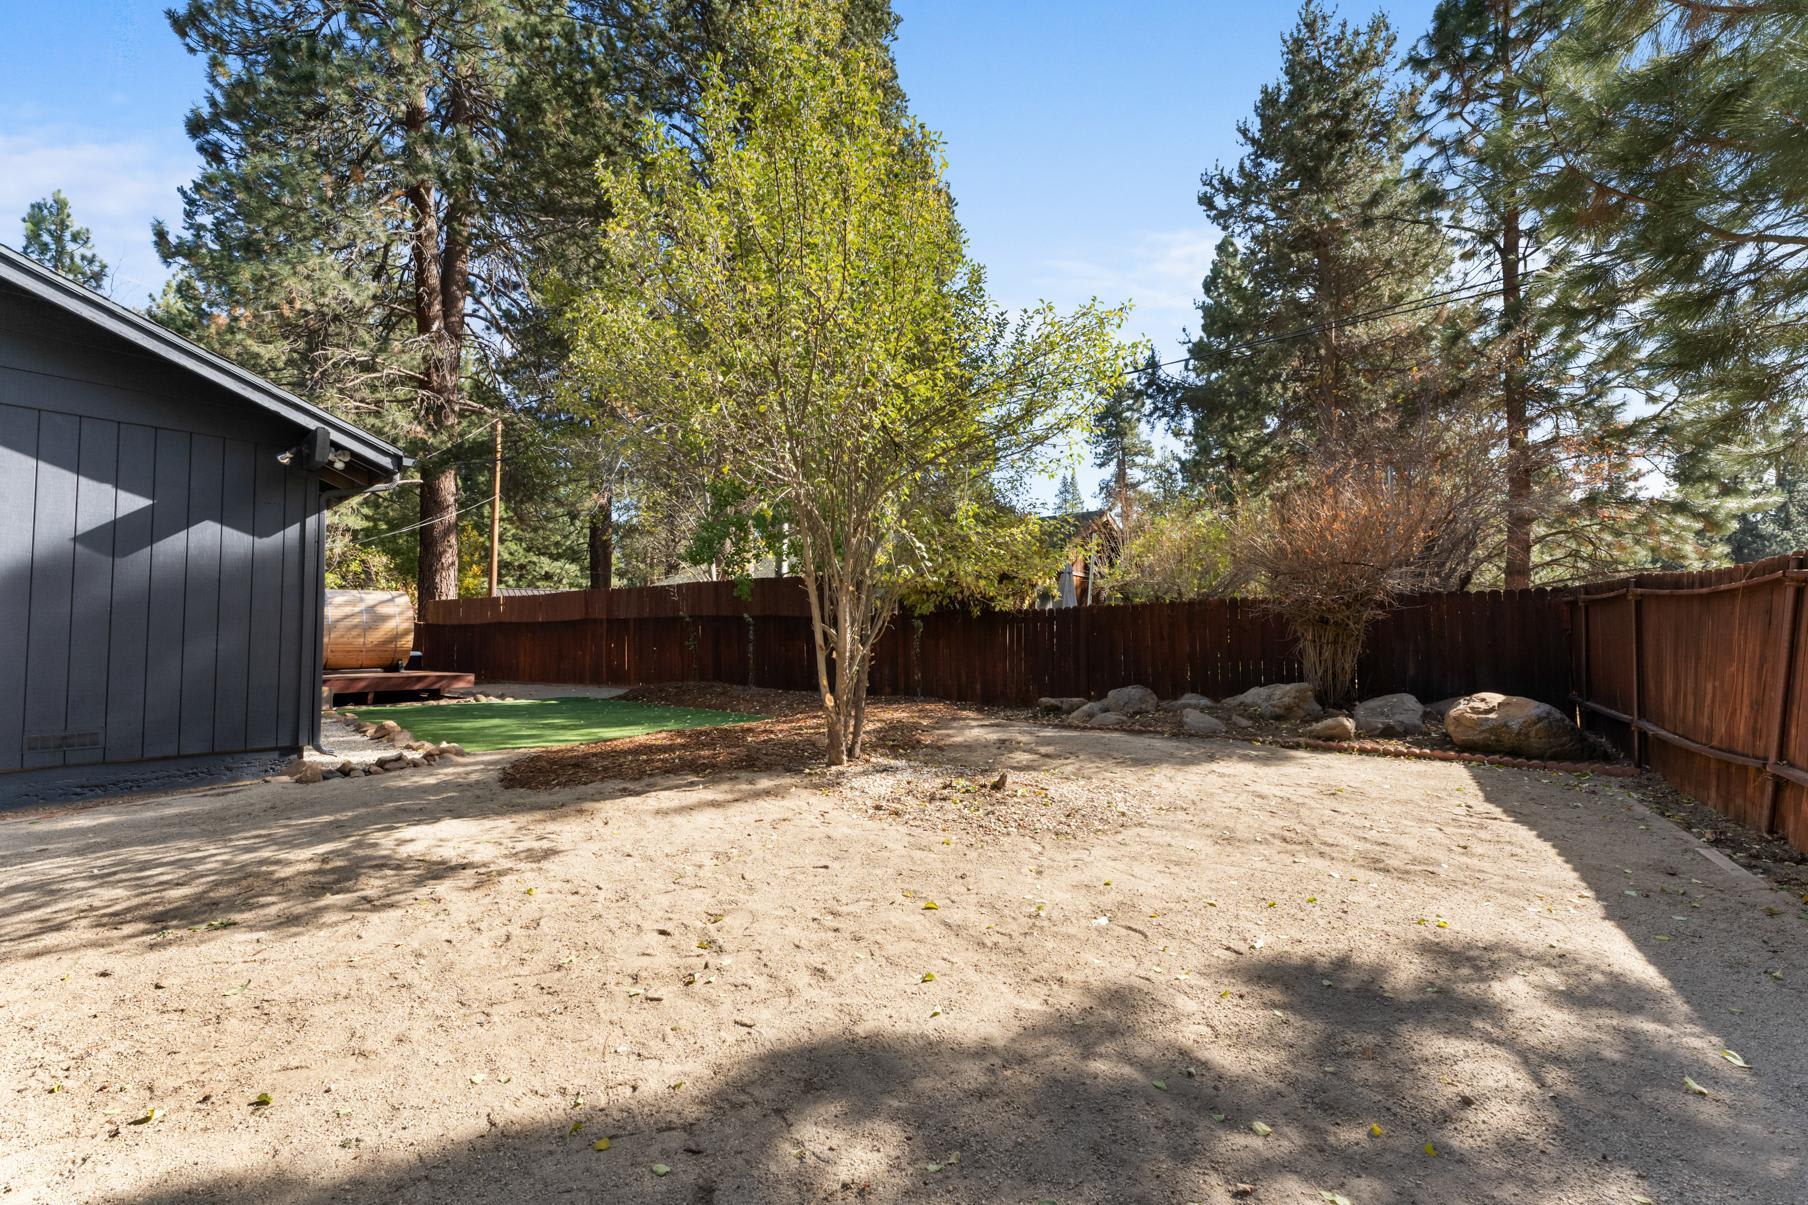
(369,683)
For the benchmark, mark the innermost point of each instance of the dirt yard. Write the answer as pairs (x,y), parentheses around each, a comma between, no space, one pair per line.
(1141,969)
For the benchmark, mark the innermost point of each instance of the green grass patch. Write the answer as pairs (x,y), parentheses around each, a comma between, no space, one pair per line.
(534,723)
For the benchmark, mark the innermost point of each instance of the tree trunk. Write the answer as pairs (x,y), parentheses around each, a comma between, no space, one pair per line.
(1514,406)
(438,568)
(441,264)
(602,541)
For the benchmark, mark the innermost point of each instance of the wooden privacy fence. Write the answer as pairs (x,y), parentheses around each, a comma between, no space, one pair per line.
(1434,645)
(1697,675)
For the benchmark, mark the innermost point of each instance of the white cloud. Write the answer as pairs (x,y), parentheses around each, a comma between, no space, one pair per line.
(1160,271)
(115,187)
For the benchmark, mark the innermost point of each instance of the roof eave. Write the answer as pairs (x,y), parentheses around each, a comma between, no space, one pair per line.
(383,460)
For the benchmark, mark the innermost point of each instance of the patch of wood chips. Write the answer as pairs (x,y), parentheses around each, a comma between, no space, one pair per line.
(790,738)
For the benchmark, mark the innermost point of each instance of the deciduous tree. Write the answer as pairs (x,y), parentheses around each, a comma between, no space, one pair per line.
(788,293)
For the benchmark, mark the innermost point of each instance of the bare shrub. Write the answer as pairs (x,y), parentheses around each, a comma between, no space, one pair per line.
(1354,530)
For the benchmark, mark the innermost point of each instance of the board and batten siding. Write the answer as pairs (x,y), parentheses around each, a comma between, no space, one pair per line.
(159,569)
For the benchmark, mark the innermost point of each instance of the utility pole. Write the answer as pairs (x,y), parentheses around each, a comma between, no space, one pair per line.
(495,502)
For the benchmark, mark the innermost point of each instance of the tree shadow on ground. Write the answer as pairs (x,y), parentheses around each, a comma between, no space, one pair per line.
(278,856)
(1066,1108)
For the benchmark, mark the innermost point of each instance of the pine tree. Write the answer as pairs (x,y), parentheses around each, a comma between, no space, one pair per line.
(1487,150)
(54,240)
(1068,499)
(1120,445)
(371,177)
(1307,326)
(1682,173)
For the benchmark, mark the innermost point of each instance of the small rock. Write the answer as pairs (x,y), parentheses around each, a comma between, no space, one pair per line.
(1108,719)
(387,727)
(373,769)
(1200,724)
(348,768)
(448,749)
(1060,704)
(1278,701)
(1437,711)
(1188,701)
(1131,700)
(1390,715)
(1333,728)
(401,739)
(1003,779)
(1083,715)
(1237,721)
(1243,1190)
(308,774)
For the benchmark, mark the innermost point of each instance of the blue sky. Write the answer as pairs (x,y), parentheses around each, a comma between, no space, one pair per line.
(1076,130)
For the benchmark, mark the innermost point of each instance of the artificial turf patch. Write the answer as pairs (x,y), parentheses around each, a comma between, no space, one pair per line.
(537,723)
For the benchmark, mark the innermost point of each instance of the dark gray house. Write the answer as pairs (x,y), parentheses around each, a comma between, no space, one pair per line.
(161,547)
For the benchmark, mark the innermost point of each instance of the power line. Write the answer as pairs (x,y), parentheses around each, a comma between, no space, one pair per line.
(1469,292)
(484,501)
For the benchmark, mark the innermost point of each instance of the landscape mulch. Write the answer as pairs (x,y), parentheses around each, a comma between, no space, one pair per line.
(789,738)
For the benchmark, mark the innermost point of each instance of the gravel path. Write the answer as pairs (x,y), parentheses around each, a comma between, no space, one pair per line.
(1303,973)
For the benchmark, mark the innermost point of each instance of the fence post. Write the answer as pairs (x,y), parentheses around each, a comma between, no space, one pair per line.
(1786,644)
(1582,694)
(1638,680)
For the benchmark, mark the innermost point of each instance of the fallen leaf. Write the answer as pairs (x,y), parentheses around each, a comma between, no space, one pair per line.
(602,1144)
(1262,1131)
(1732,1056)
(931,906)
(575,1127)
(261,1101)
(660,1169)
(1694,1087)
(1431,1150)
(1216,1116)
(1375,1130)
(928,976)
(1160,1085)
(149,1117)
(1335,1198)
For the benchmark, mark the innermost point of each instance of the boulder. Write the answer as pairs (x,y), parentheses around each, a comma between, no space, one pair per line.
(1060,704)
(449,749)
(308,774)
(1131,700)
(1200,724)
(1108,719)
(1390,715)
(1083,714)
(1187,702)
(387,727)
(1333,728)
(1278,701)
(1514,726)
(1237,721)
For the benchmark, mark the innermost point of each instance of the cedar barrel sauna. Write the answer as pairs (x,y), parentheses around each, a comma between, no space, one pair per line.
(367,647)
(368,629)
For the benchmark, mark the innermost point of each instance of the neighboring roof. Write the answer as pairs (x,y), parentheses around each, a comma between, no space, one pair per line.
(383,459)
(1077,524)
